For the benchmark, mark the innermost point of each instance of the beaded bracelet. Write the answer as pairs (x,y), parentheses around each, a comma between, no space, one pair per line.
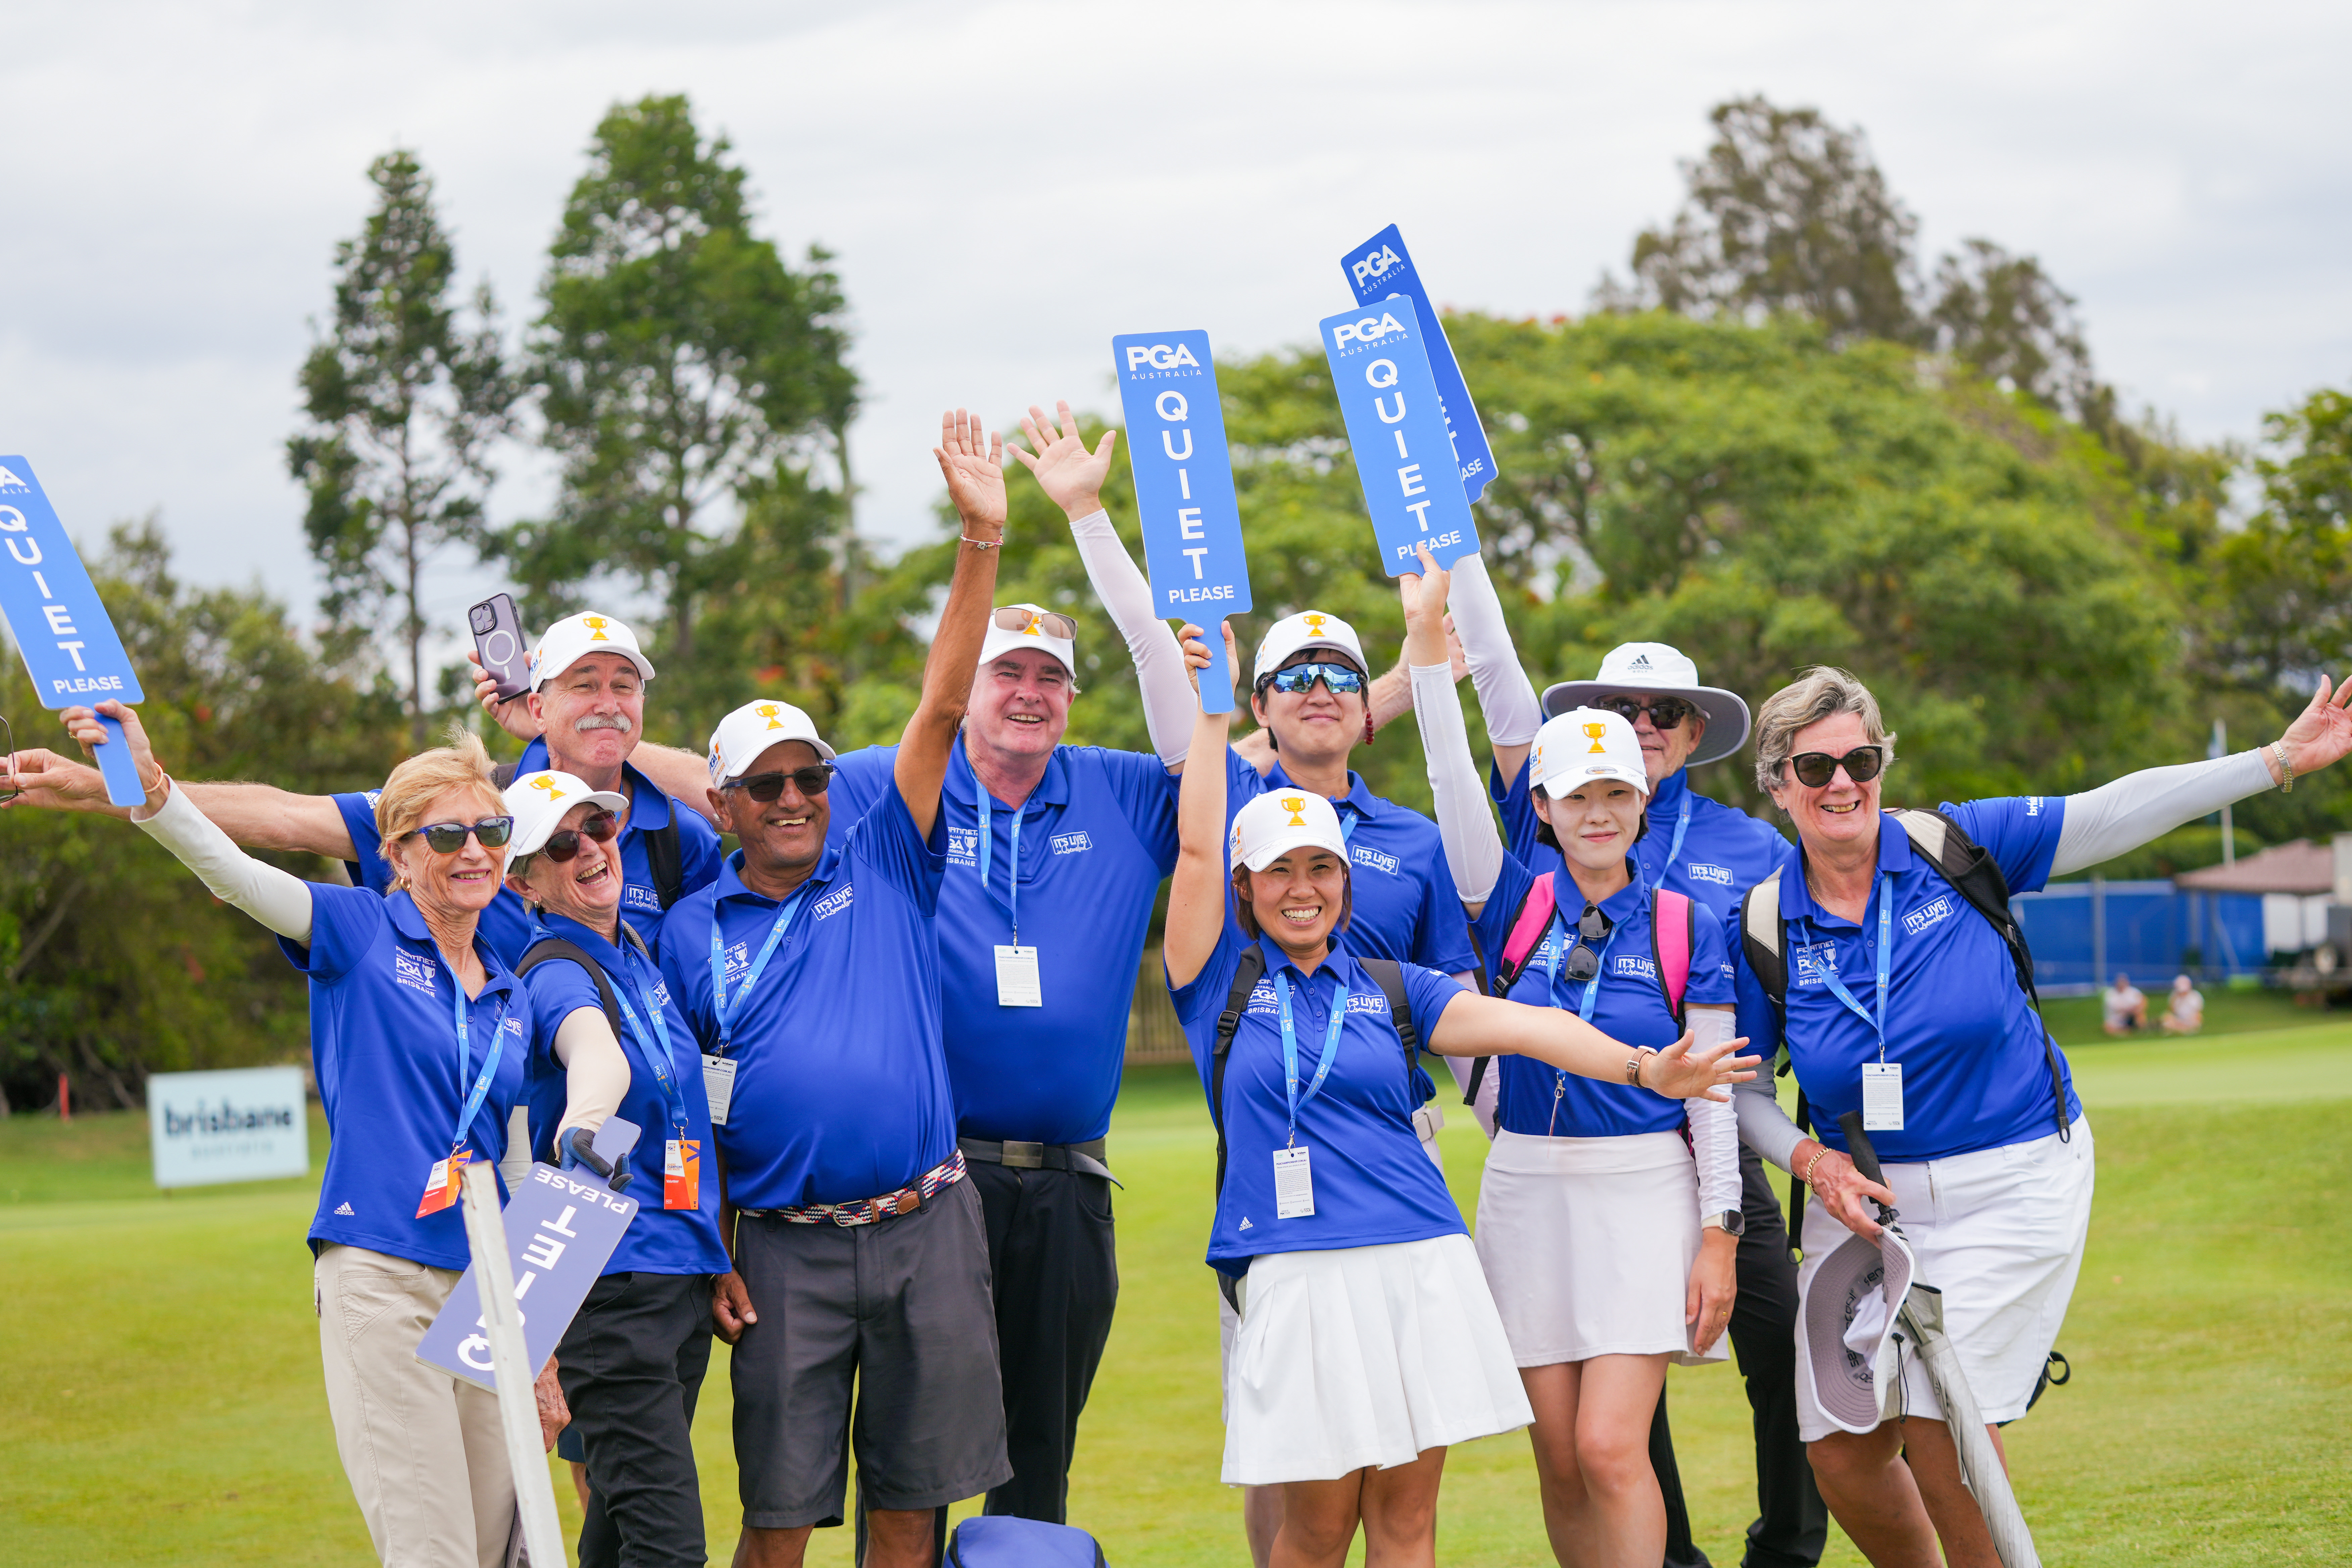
(982,543)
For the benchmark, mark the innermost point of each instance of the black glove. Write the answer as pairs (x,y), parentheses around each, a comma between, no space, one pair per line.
(580,1143)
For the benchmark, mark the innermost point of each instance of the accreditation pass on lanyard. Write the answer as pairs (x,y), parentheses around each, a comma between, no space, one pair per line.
(681,1155)
(1018,984)
(1882,1080)
(1294,1175)
(441,1181)
(718,1067)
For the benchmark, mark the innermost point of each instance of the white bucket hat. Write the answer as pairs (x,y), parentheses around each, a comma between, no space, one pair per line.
(1655,667)
(1849,1312)
(574,637)
(1280,821)
(752,729)
(1032,629)
(1309,628)
(1583,744)
(538,803)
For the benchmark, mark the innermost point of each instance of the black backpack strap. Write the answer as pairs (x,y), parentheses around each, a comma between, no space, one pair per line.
(1764,944)
(1389,975)
(555,947)
(665,860)
(1246,978)
(502,774)
(1477,1064)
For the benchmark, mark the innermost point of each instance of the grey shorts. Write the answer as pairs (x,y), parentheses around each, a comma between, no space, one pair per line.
(901,1309)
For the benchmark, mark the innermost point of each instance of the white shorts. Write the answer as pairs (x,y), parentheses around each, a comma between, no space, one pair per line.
(2000,1232)
(1364,1356)
(1588,1244)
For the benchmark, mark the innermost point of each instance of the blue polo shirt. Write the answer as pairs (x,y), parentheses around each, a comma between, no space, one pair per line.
(384,1043)
(1373,1184)
(659,1240)
(507,923)
(840,1087)
(1723,851)
(1974,1074)
(1097,835)
(1402,903)
(1629,1006)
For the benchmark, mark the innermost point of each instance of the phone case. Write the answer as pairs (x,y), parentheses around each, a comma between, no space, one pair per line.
(499,643)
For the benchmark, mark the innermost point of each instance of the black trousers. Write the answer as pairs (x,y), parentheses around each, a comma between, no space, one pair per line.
(632,1366)
(1793,1523)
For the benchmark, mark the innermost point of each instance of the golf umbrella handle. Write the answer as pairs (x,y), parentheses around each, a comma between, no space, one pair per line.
(1865,1157)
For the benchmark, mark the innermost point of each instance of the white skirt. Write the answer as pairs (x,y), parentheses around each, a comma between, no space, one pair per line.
(1588,1244)
(1364,1356)
(2000,1232)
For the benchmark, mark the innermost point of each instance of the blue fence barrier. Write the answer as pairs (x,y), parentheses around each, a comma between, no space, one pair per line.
(2082,933)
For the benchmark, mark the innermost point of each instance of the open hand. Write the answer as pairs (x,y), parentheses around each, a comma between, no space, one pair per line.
(1714,1287)
(2320,734)
(48,782)
(554,1413)
(1842,1190)
(1193,641)
(1425,626)
(972,461)
(1071,477)
(1683,1071)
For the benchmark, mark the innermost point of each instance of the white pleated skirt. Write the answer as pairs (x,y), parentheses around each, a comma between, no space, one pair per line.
(1588,1244)
(1365,1356)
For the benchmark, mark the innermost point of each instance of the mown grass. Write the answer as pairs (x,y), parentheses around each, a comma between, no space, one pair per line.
(164,1383)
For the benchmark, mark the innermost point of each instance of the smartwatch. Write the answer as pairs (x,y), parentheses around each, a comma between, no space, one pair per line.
(1731,1222)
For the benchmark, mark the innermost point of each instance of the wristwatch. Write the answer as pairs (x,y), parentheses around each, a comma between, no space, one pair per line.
(1731,1222)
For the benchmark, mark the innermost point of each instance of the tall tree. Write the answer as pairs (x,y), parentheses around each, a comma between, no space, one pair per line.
(2004,316)
(682,363)
(404,404)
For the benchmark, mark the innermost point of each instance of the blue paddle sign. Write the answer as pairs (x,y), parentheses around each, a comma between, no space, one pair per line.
(1396,432)
(1185,489)
(1382,268)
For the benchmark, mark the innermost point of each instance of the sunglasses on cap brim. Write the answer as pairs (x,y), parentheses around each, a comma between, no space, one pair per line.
(1815,769)
(1295,677)
(1666,712)
(448,837)
(1016,619)
(768,787)
(563,844)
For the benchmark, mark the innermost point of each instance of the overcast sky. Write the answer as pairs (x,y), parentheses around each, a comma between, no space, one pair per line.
(1005,186)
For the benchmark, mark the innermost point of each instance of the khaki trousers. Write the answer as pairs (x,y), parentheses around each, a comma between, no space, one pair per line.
(423,1451)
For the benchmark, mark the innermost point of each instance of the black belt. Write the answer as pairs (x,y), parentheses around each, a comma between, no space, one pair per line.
(1086,1159)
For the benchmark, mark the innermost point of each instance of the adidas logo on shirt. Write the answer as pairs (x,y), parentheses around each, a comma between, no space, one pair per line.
(343,1209)
(1245,1224)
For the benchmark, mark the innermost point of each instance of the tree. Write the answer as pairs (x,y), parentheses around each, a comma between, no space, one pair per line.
(2003,316)
(683,366)
(404,404)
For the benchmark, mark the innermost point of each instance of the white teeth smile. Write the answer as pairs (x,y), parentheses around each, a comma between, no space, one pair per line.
(1300,917)
(1839,810)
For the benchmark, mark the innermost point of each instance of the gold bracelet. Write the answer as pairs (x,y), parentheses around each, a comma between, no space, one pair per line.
(2287,769)
(1820,1152)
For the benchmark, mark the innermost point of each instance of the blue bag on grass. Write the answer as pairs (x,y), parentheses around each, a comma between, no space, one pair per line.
(1003,1542)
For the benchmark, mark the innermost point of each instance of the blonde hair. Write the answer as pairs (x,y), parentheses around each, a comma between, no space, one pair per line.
(460,762)
(1817,694)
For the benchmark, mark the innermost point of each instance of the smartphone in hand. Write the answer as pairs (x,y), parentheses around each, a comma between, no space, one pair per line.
(499,644)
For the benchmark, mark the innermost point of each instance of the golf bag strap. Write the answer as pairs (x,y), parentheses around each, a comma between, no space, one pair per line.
(1673,935)
(1247,975)
(1528,924)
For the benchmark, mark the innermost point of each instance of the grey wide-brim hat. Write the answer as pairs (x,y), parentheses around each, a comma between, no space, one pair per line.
(1655,667)
(1846,1380)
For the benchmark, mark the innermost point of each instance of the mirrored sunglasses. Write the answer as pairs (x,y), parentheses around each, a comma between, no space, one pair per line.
(448,837)
(563,844)
(1814,769)
(767,787)
(1014,618)
(1666,712)
(1337,678)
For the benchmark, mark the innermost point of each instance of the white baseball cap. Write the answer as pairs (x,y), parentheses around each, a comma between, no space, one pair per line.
(1655,667)
(752,729)
(1309,628)
(1014,626)
(1280,821)
(538,803)
(573,637)
(1583,744)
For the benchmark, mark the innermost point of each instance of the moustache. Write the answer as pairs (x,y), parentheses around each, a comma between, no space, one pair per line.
(603,721)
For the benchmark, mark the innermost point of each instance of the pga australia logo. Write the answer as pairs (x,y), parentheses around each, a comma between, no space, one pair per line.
(1262,999)
(413,970)
(963,847)
(1369,330)
(1159,356)
(738,959)
(1376,264)
(1811,963)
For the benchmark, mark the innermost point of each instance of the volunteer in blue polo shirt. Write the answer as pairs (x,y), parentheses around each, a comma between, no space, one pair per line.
(418,1032)
(1898,999)
(1711,853)
(810,975)
(609,1039)
(1369,1341)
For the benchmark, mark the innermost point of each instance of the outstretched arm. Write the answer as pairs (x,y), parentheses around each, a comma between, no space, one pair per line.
(973,461)
(1473,851)
(1476,1026)
(1196,895)
(257,816)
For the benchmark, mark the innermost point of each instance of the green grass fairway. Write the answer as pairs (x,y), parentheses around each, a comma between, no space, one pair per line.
(166,1406)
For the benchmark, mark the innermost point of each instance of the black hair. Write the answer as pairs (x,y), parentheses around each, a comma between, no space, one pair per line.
(1544,835)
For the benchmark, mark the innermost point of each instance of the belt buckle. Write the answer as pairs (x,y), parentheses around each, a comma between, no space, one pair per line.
(1024,1156)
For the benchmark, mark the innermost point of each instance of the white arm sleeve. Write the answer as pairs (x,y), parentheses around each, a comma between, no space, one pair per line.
(1504,694)
(1474,849)
(2117,817)
(1715,1125)
(1763,1125)
(595,1073)
(516,1166)
(1169,704)
(279,899)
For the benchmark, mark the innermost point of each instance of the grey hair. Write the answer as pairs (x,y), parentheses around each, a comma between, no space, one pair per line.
(1821,692)
(518,865)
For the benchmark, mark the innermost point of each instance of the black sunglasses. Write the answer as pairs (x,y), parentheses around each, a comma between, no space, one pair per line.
(1583,960)
(1814,769)
(1337,678)
(563,844)
(1666,712)
(448,837)
(767,787)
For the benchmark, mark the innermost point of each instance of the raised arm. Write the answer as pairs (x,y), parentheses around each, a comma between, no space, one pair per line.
(1476,1026)
(972,459)
(1474,849)
(683,776)
(1505,696)
(1196,895)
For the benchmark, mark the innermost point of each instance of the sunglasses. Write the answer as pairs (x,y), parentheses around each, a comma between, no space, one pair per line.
(1666,712)
(1014,618)
(1583,960)
(448,837)
(1814,769)
(1337,678)
(768,787)
(563,844)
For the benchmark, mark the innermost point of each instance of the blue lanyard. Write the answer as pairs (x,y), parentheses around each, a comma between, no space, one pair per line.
(475,1096)
(1682,825)
(1885,950)
(719,1009)
(655,1046)
(1347,826)
(1290,1048)
(987,842)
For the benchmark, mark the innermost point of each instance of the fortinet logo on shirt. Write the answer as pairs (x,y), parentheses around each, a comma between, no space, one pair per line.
(1941,909)
(963,847)
(1375,1003)
(832,903)
(1810,963)
(413,970)
(1636,966)
(1700,871)
(1363,855)
(1072,843)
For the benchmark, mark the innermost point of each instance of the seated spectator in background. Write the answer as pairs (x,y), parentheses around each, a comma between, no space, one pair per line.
(2126,1006)
(2184,1010)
